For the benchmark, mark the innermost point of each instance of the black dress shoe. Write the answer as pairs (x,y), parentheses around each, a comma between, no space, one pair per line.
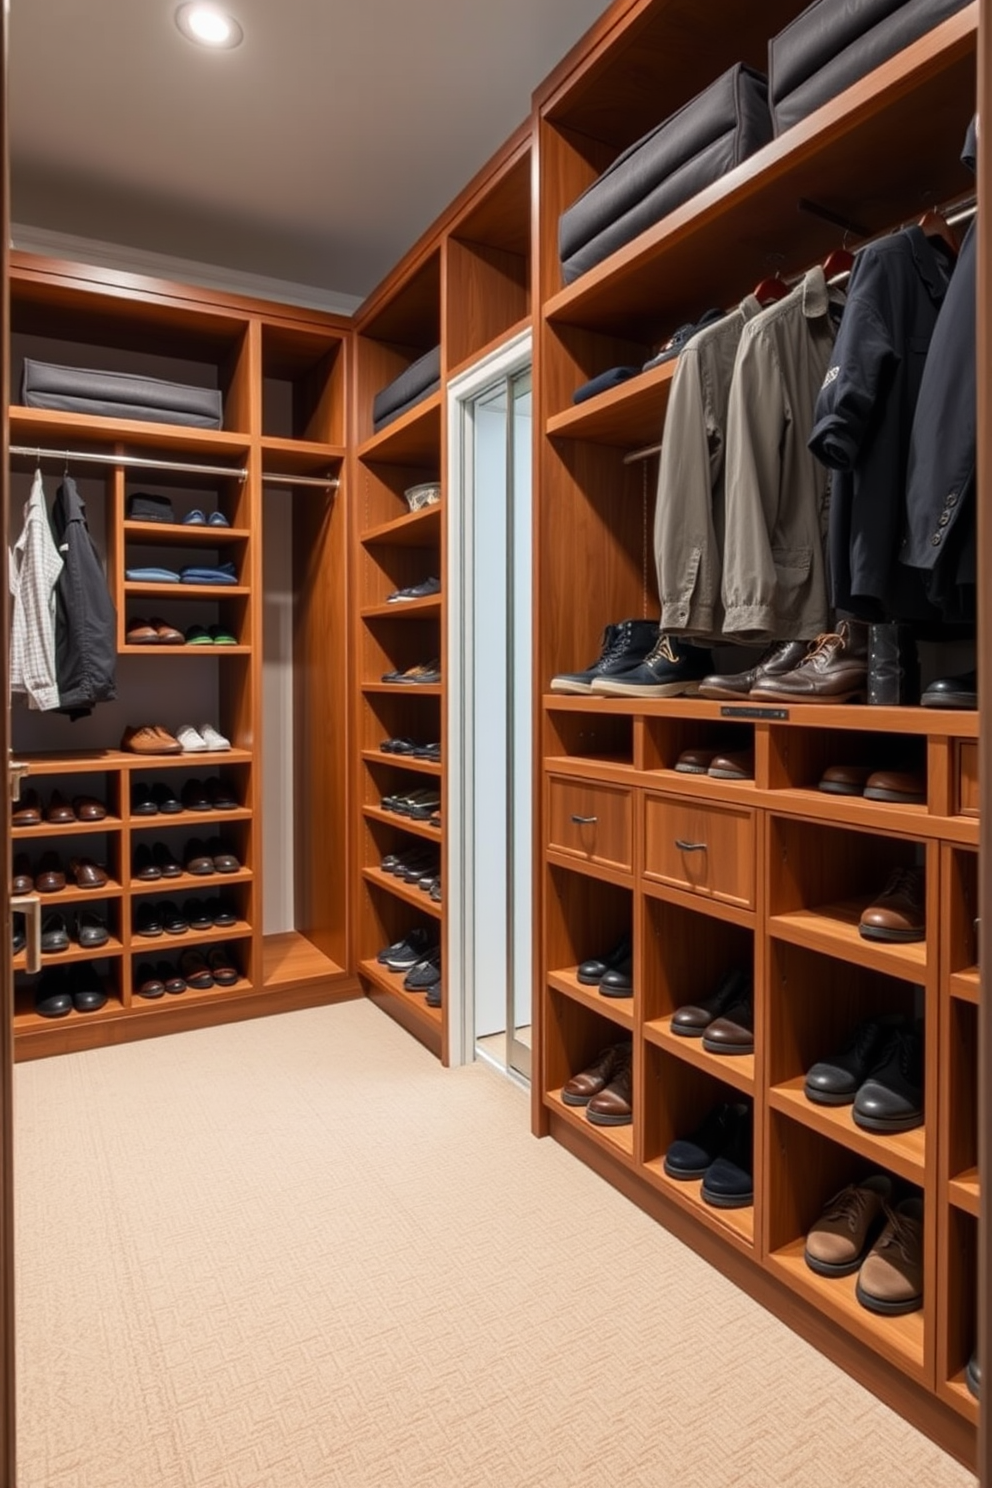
(19,932)
(195,796)
(170,978)
(53,994)
(693,1018)
(142,800)
(590,973)
(144,866)
(222,797)
(835,1081)
(91,930)
(166,861)
(54,934)
(619,980)
(89,993)
(891,1099)
(728,1183)
(148,920)
(222,913)
(952,692)
(166,799)
(173,922)
(197,912)
(690,1157)
(434,995)
(973,1377)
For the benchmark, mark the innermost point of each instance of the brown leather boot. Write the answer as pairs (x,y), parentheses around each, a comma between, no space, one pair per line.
(835,670)
(614,1106)
(781,656)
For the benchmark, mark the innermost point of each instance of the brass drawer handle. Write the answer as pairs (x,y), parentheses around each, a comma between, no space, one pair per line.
(585,821)
(689,846)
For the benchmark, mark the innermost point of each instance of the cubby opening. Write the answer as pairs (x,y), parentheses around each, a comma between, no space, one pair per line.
(669,739)
(960,920)
(686,956)
(110,969)
(386,569)
(408,713)
(799,758)
(575,1036)
(962,1114)
(187,494)
(397,334)
(830,871)
(488,278)
(391,645)
(303,385)
(598,737)
(962,1307)
(382,503)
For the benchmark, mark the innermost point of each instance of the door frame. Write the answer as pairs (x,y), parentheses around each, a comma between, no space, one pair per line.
(514,356)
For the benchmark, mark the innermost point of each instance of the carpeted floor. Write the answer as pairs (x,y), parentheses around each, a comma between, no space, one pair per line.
(295,1253)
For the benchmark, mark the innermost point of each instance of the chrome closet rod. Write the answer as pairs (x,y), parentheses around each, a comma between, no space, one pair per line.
(141,462)
(960,215)
(326,483)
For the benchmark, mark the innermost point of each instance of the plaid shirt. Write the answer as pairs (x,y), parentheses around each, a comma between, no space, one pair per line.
(35,566)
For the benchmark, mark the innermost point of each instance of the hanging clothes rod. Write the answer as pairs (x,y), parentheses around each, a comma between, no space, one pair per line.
(324,482)
(961,213)
(138,462)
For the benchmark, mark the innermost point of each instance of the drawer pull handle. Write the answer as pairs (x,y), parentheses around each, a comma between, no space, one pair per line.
(585,821)
(684,846)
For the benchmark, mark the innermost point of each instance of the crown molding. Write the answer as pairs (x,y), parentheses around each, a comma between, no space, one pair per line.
(116,256)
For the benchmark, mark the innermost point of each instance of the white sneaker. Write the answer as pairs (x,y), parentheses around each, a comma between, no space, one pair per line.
(212,739)
(191,739)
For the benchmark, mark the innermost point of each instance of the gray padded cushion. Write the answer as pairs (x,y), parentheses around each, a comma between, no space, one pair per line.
(709,136)
(119,395)
(821,53)
(408,387)
(388,418)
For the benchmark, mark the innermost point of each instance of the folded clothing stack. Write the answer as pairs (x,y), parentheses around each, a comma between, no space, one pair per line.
(695,147)
(119,395)
(833,43)
(221,573)
(420,379)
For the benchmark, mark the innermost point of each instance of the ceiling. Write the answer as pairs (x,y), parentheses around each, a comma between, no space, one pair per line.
(316,152)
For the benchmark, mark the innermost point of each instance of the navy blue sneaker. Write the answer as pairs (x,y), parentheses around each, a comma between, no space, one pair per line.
(624,646)
(671,669)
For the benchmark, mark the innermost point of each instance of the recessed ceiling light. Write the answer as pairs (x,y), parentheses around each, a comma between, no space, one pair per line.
(208,25)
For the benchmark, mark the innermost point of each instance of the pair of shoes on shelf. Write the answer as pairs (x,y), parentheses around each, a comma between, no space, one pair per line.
(210,635)
(605,1087)
(899,912)
(862,1228)
(419,805)
(638,660)
(64,989)
(831,669)
(724,1020)
(199,859)
(58,931)
(197,970)
(422,674)
(718,765)
(153,632)
(209,795)
(904,786)
(203,739)
(880,1074)
(428,589)
(28,810)
(420,866)
(152,920)
(418,955)
(613,973)
(719,1152)
(411,748)
(50,877)
(152,738)
(198,518)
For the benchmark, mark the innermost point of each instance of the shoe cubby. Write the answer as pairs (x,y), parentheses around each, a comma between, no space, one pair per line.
(387,569)
(110,911)
(105,333)
(389,715)
(958,915)
(823,878)
(396,643)
(237,954)
(959,1073)
(237,894)
(384,778)
(815,1006)
(589,734)
(236,837)
(401,328)
(110,973)
(382,836)
(383,919)
(102,786)
(800,758)
(487,274)
(587,919)
(806,1170)
(576,1034)
(103,848)
(234,779)
(384,515)
(677,749)
(687,956)
(960,1314)
(303,385)
(576,355)
(233,614)
(677,1100)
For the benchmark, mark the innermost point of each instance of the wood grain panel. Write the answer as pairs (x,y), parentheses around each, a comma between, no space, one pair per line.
(591,822)
(720,863)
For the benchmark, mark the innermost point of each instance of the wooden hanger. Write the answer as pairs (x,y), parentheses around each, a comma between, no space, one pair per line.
(936,225)
(838,261)
(767,291)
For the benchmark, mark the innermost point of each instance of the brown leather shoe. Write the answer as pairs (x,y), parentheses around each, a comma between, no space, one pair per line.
(197,858)
(580,1089)
(614,1105)
(140,633)
(147,982)
(780,657)
(88,808)
(59,811)
(693,1018)
(87,874)
(197,973)
(144,739)
(845,780)
(222,967)
(909,786)
(734,1032)
(26,812)
(50,878)
(168,743)
(165,634)
(834,670)
(739,766)
(899,912)
(225,861)
(695,761)
(837,1242)
(891,1279)
(22,881)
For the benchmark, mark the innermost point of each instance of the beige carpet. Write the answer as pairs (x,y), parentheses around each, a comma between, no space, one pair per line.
(296,1253)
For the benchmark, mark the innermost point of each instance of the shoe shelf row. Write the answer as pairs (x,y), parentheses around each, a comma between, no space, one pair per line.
(231,496)
(766,871)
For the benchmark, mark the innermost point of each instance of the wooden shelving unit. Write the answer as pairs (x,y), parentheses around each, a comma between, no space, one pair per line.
(788,869)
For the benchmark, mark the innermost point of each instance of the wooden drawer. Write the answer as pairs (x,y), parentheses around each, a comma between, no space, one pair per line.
(968,777)
(592,822)
(702,848)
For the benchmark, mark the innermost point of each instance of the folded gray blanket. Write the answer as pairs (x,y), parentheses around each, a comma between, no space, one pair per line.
(119,395)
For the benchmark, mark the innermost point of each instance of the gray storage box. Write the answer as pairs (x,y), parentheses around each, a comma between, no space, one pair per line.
(119,395)
(833,43)
(695,147)
(420,379)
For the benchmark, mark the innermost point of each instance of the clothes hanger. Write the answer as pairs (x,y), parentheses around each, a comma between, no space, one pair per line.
(767,291)
(838,261)
(936,225)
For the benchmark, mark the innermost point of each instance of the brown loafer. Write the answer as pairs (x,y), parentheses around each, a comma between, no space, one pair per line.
(193,965)
(738,766)
(165,634)
(140,633)
(143,739)
(197,858)
(87,874)
(173,983)
(23,879)
(695,761)
(734,1032)
(222,968)
(59,811)
(168,743)
(907,786)
(845,780)
(50,878)
(88,808)
(147,982)
(27,811)
(225,861)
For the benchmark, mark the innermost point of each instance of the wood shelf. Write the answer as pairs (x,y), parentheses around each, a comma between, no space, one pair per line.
(182,535)
(161,947)
(902,1153)
(147,1005)
(47,428)
(940,723)
(187,819)
(420,609)
(89,761)
(404,689)
(71,895)
(618,1140)
(833,929)
(629,416)
(32,1022)
(407,892)
(732,1069)
(733,1224)
(967,985)
(182,591)
(898,1338)
(412,439)
(419,529)
(964,1192)
(189,883)
(299,457)
(403,823)
(619,1010)
(289,959)
(111,950)
(392,982)
(187,651)
(402,762)
(55,830)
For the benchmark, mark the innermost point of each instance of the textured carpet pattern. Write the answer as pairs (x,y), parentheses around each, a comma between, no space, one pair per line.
(295,1253)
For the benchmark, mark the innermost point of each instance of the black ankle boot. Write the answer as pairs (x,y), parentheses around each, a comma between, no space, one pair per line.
(893,666)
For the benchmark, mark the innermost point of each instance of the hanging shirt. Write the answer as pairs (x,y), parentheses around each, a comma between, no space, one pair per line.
(864,414)
(86,628)
(35,566)
(689,512)
(774,565)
